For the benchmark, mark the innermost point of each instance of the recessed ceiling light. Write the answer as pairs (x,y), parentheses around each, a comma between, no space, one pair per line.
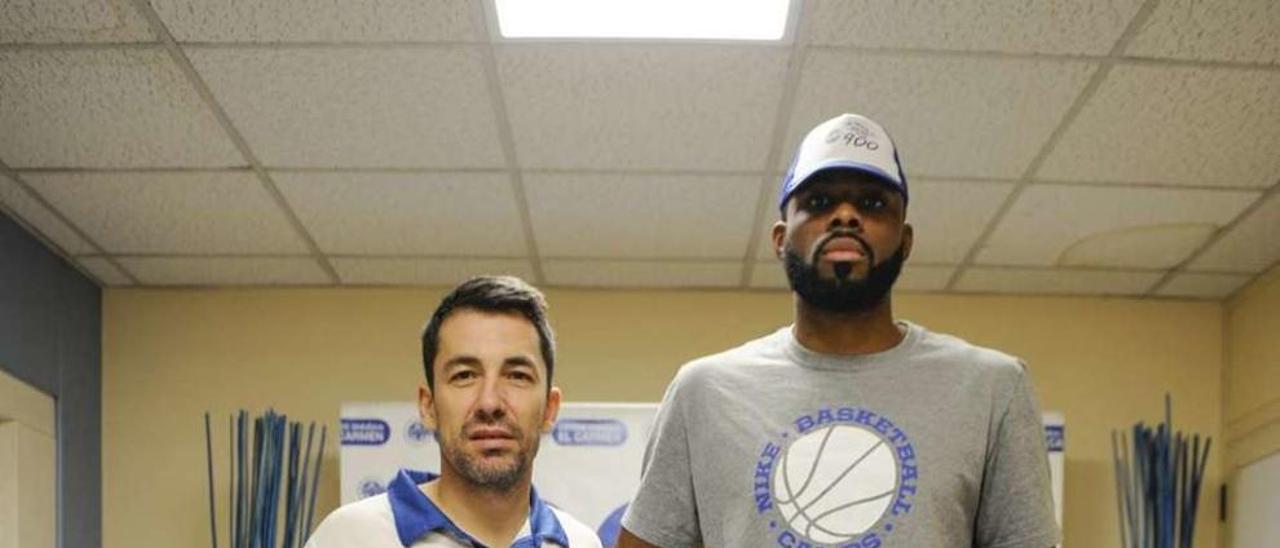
(644,19)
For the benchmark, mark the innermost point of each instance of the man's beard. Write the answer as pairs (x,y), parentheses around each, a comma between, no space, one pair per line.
(493,477)
(840,293)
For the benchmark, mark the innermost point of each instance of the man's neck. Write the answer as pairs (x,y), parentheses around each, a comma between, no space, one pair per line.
(850,333)
(493,518)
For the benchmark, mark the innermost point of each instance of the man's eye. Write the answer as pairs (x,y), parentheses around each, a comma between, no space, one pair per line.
(520,376)
(872,203)
(817,202)
(462,376)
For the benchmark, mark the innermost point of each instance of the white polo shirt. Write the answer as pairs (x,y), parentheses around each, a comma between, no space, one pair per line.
(405,517)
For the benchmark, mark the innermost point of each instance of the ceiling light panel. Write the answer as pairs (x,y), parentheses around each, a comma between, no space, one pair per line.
(644,19)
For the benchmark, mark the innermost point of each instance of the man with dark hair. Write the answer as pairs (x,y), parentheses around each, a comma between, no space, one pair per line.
(488,354)
(848,428)
(492,294)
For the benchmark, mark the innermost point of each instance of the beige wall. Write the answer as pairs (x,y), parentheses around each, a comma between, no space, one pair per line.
(1252,373)
(168,356)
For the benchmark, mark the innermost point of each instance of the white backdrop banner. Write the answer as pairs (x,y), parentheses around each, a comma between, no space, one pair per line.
(1055,437)
(589,465)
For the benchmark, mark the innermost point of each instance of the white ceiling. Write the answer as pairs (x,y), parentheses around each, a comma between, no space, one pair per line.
(1113,147)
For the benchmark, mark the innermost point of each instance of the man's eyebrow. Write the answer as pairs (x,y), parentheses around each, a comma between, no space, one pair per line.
(460,360)
(519,360)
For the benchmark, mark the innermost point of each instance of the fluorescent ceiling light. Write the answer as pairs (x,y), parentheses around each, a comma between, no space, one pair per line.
(677,19)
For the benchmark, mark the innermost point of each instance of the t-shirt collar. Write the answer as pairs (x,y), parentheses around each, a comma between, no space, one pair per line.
(817,360)
(416,515)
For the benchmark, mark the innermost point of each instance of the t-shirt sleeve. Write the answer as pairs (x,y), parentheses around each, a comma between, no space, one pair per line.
(580,536)
(331,532)
(664,511)
(1016,505)
(364,523)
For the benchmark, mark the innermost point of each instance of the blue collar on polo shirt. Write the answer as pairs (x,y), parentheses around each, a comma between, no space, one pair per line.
(416,515)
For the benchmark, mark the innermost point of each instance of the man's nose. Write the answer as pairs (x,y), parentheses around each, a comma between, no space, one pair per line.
(844,215)
(489,402)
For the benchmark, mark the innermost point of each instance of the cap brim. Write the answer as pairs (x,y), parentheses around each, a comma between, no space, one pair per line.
(859,167)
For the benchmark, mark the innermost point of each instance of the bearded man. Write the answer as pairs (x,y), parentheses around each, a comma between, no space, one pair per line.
(847,428)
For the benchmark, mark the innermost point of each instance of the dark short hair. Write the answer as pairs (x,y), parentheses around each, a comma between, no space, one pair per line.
(498,294)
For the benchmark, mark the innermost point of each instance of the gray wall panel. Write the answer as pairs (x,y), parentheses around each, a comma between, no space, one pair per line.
(51,338)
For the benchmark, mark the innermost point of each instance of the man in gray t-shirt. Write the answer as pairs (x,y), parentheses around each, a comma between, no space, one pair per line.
(848,428)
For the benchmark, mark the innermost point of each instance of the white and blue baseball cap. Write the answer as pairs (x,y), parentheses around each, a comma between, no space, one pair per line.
(848,141)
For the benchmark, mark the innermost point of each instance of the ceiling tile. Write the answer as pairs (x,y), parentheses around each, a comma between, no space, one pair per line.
(625,274)
(1115,227)
(383,107)
(1179,125)
(1056,281)
(211,271)
(68,21)
(106,272)
(948,217)
(186,212)
(1250,246)
(407,213)
(105,108)
(311,21)
(653,106)
(413,271)
(950,116)
(1208,286)
(1240,30)
(600,215)
(771,275)
(1079,27)
(31,211)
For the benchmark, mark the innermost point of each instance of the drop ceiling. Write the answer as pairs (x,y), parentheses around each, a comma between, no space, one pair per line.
(1100,147)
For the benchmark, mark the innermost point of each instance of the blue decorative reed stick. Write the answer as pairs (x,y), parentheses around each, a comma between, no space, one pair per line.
(1158,481)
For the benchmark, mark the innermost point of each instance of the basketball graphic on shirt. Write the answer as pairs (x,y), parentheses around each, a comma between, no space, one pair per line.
(835,482)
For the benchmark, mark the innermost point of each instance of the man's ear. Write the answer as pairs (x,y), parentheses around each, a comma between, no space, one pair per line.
(552,410)
(426,406)
(778,233)
(908,239)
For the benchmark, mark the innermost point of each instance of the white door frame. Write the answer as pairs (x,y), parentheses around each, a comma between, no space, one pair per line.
(28,466)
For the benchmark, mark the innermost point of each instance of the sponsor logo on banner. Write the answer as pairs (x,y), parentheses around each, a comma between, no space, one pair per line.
(416,433)
(371,487)
(1055,437)
(608,432)
(840,476)
(365,432)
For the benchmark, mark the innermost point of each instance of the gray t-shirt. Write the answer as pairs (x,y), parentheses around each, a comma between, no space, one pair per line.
(932,443)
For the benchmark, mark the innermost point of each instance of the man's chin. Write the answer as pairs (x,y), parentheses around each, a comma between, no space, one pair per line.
(862,288)
(498,470)
(857,274)
(494,480)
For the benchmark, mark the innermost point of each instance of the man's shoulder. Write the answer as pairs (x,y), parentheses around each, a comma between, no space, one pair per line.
(377,506)
(580,536)
(362,520)
(944,346)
